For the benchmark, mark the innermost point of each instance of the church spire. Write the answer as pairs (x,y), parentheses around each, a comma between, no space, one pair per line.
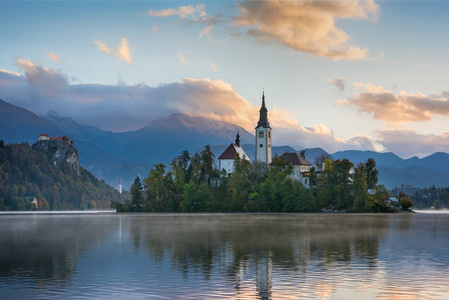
(263,118)
(237,140)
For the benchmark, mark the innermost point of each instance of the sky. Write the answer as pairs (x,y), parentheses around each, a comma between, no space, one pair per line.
(361,75)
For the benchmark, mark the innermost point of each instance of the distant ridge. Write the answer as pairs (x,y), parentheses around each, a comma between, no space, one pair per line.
(111,155)
(20,125)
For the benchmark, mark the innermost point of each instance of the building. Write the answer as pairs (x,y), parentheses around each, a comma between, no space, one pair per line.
(44,137)
(226,159)
(407,189)
(301,167)
(263,136)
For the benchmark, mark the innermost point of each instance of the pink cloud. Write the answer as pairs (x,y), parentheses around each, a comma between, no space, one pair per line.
(398,108)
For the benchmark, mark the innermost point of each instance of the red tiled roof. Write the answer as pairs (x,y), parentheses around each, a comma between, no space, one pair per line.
(230,152)
(43,134)
(295,159)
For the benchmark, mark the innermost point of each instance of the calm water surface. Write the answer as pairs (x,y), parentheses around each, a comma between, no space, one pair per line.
(229,256)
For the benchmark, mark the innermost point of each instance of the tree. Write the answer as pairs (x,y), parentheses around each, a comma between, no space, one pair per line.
(359,187)
(303,153)
(372,175)
(312,177)
(207,167)
(321,160)
(405,201)
(136,192)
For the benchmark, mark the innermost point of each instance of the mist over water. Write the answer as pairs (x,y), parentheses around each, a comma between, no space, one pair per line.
(229,256)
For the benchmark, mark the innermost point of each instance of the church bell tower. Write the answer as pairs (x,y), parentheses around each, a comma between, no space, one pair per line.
(263,135)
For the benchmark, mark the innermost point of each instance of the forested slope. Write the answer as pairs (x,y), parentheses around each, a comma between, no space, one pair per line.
(27,173)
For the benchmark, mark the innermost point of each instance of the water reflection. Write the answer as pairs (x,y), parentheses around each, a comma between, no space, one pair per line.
(44,250)
(240,244)
(246,256)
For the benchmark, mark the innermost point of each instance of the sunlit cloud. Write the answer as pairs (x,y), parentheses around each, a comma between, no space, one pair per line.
(125,107)
(208,31)
(123,51)
(306,26)
(407,142)
(9,72)
(183,59)
(54,57)
(50,82)
(183,12)
(398,108)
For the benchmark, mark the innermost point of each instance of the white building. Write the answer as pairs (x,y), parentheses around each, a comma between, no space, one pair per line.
(301,167)
(44,137)
(226,159)
(263,136)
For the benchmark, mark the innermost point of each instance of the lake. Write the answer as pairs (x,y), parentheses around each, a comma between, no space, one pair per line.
(227,256)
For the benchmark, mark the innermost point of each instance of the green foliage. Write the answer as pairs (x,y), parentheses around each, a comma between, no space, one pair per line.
(405,202)
(26,174)
(136,191)
(372,175)
(193,184)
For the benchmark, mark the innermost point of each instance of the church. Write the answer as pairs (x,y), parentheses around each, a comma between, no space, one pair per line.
(263,150)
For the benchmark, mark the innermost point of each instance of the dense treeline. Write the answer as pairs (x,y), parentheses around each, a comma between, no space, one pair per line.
(26,174)
(194,184)
(432,197)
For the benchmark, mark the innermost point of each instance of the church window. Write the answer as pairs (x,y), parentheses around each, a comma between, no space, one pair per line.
(269,134)
(261,134)
(261,146)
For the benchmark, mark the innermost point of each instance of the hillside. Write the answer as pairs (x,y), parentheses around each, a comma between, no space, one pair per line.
(43,172)
(21,125)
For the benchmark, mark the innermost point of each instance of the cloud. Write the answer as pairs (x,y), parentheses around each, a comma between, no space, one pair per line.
(208,31)
(306,26)
(407,143)
(54,57)
(123,51)
(184,12)
(398,108)
(50,82)
(213,66)
(339,83)
(129,107)
(288,131)
(183,59)
(2,71)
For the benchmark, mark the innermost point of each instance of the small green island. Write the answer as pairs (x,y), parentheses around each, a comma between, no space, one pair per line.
(194,184)
(286,183)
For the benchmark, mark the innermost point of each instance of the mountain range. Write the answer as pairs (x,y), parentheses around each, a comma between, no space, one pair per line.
(121,156)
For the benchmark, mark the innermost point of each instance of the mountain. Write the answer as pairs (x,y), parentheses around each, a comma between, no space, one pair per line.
(20,125)
(166,138)
(394,171)
(115,156)
(122,156)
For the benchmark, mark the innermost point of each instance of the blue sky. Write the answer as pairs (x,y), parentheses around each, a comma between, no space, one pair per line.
(337,74)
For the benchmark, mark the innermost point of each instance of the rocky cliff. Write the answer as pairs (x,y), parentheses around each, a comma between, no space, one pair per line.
(60,150)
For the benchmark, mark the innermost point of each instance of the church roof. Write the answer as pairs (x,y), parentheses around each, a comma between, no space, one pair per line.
(295,159)
(230,152)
